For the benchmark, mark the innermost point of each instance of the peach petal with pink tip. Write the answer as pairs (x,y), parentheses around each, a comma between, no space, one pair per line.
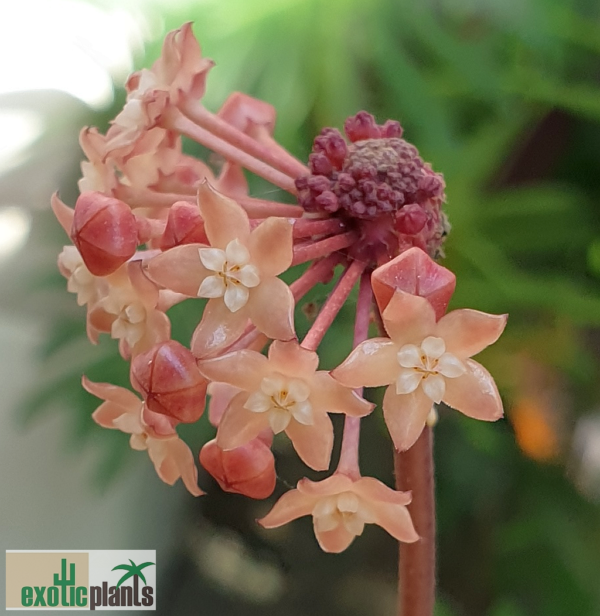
(371,489)
(467,332)
(271,308)
(178,269)
(221,394)
(372,363)
(99,319)
(243,111)
(172,460)
(111,393)
(474,394)
(334,484)
(395,519)
(331,397)
(408,318)
(291,359)
(271,246)
(239,425)
(64,214)
(224,219)
(232,180)
(414,272)
(312,443)
(334,541)
(244,369)
(290,506)
(146,290)
(218,329)
(405,415)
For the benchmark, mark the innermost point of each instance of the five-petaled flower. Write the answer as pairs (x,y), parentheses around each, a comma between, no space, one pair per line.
(340,508)
(237,273)
(425,362)
(122,410)
(283,392)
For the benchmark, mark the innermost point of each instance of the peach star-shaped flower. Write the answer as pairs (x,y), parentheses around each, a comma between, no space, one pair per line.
(123,410)
(340,508)
(425,362)
(237,273)
(283,393)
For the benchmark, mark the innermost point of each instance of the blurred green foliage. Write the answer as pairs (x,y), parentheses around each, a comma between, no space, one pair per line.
(504,99)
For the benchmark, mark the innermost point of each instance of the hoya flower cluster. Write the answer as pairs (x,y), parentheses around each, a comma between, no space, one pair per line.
(154,227)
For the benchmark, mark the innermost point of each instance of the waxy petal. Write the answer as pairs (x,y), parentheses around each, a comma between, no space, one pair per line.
(468,332)
(333,541)
(212,258)
(450,366)
(409,356)
(179,269)
(271,246)
(271,309)
(236,297)
(291,359)
(244,369)
(371,489)
(239,425)
(64,214)
(371,364)
(218,329)
(224,219)
(290,506)
(408,318)
(173,459)
(408,380)
(236,253)
(434,387)
(474,393)
(334,484)
(405,416)
(221,394)
(433,347)
(212,287)
(330,396)
(313,443)
(396,520)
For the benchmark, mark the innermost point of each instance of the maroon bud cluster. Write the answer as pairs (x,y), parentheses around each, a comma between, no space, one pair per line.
(378,184)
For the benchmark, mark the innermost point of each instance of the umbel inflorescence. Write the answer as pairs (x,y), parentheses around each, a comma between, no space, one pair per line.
(153,227)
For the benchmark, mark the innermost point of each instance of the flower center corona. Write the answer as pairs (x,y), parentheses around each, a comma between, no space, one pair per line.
(283,399)
(427,365)
(345,508)
(234,275)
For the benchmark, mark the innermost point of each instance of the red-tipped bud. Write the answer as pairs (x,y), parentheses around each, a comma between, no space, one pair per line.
(169,380)
(104,231)
(184,226)
(414,272)
(411,219)
(361,126)
(247,470)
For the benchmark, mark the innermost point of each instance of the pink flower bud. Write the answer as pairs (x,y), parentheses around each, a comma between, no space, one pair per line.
(361,126)
(184,226)
(169,381)
(411,219)
(247,470)
(104,231)
(414,272)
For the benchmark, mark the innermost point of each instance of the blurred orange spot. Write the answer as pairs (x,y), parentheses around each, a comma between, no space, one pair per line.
(533,430)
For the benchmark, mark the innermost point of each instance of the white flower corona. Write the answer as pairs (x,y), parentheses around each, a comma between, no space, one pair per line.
(427,365)
(346,508)
(234,275)
(283,398)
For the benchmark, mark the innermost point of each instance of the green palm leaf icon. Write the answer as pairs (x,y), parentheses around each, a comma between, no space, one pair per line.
(132,570)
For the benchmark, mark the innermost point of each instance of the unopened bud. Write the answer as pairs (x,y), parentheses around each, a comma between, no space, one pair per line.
(169,380)
(104,231)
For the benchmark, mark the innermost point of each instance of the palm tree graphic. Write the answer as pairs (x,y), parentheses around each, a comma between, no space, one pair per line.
(132,570)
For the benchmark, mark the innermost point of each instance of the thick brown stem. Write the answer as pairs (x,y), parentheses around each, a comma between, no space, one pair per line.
(416,571)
